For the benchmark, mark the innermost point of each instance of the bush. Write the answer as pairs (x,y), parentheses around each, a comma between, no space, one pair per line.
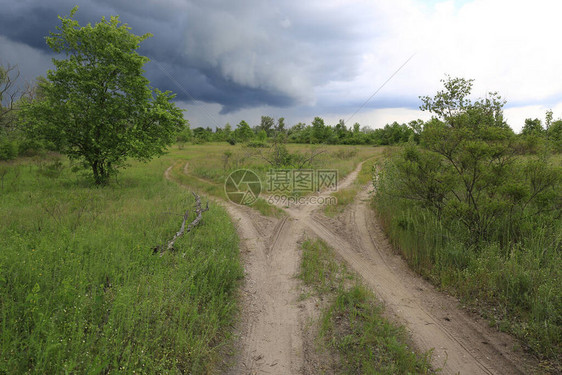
(257,144)
(8,149)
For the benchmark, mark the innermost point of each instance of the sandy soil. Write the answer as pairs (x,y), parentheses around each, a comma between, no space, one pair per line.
(273,336)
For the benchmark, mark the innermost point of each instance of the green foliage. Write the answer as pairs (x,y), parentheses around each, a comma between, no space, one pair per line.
(280,128)
(554,133)
(353,325)
(532,127)
(267,125)
(8,148)
(257,144)
(318,130)
(453,107)
(262,136)
(393,134)
(82,292)
(97,106)
(468,172)
(474,216)
(243,132)
(184,135)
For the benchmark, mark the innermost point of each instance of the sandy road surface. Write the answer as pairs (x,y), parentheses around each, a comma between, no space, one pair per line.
(272,328)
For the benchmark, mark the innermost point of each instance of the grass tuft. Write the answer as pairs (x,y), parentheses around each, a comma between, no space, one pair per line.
(353,325)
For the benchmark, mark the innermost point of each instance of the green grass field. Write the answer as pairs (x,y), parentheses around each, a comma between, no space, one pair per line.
(208,166)
(80,288)
(213,162)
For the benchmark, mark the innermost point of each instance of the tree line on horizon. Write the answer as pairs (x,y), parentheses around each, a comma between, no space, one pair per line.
(534,134)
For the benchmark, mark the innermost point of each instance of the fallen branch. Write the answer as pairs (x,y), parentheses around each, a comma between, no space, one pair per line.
(198,211)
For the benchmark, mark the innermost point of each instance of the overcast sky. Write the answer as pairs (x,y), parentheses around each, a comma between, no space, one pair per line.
(238,60)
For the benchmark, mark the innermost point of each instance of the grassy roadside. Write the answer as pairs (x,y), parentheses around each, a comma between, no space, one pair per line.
(214,161)
(352,325)
(346,196)
(517,290)
(217,190)
(210,164)
(81,291)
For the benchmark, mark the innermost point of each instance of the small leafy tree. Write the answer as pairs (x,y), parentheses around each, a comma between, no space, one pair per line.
(532,127)
(267,124)
(97,106)
(243,132)
(466,170)
(318,130)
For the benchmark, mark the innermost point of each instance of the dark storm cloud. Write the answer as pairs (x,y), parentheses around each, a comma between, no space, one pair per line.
(239,54)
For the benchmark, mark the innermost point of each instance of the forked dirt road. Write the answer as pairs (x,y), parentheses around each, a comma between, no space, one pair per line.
(271,337)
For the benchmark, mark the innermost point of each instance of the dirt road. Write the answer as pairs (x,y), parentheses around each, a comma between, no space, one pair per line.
(272,329)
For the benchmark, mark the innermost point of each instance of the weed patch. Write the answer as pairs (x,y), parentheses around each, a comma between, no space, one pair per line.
(81,291)
(352,324)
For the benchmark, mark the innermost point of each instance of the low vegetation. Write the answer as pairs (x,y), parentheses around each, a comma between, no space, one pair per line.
(480,219)
(80,288)
(352,324)
(346,196)
(211,163)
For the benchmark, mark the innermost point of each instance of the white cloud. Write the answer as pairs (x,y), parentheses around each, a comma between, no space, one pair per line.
(30,61)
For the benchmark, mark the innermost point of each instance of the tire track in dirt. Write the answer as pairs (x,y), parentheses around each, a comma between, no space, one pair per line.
(462,345)
(270,338)
(271,332)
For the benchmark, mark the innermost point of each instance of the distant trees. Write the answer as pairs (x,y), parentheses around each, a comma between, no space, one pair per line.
(392,134)
(267,125)
(451,106)
(280,128)
(532,127)
(9,95)
(554,135)
(243,132)
(13,94)
(536,139)
(317,132)
(97,106)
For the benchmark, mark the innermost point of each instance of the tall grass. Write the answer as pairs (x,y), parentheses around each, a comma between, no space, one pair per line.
(210,164)
(80,288)
(352,324)
(215,161)
(516,287)
(344,197)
